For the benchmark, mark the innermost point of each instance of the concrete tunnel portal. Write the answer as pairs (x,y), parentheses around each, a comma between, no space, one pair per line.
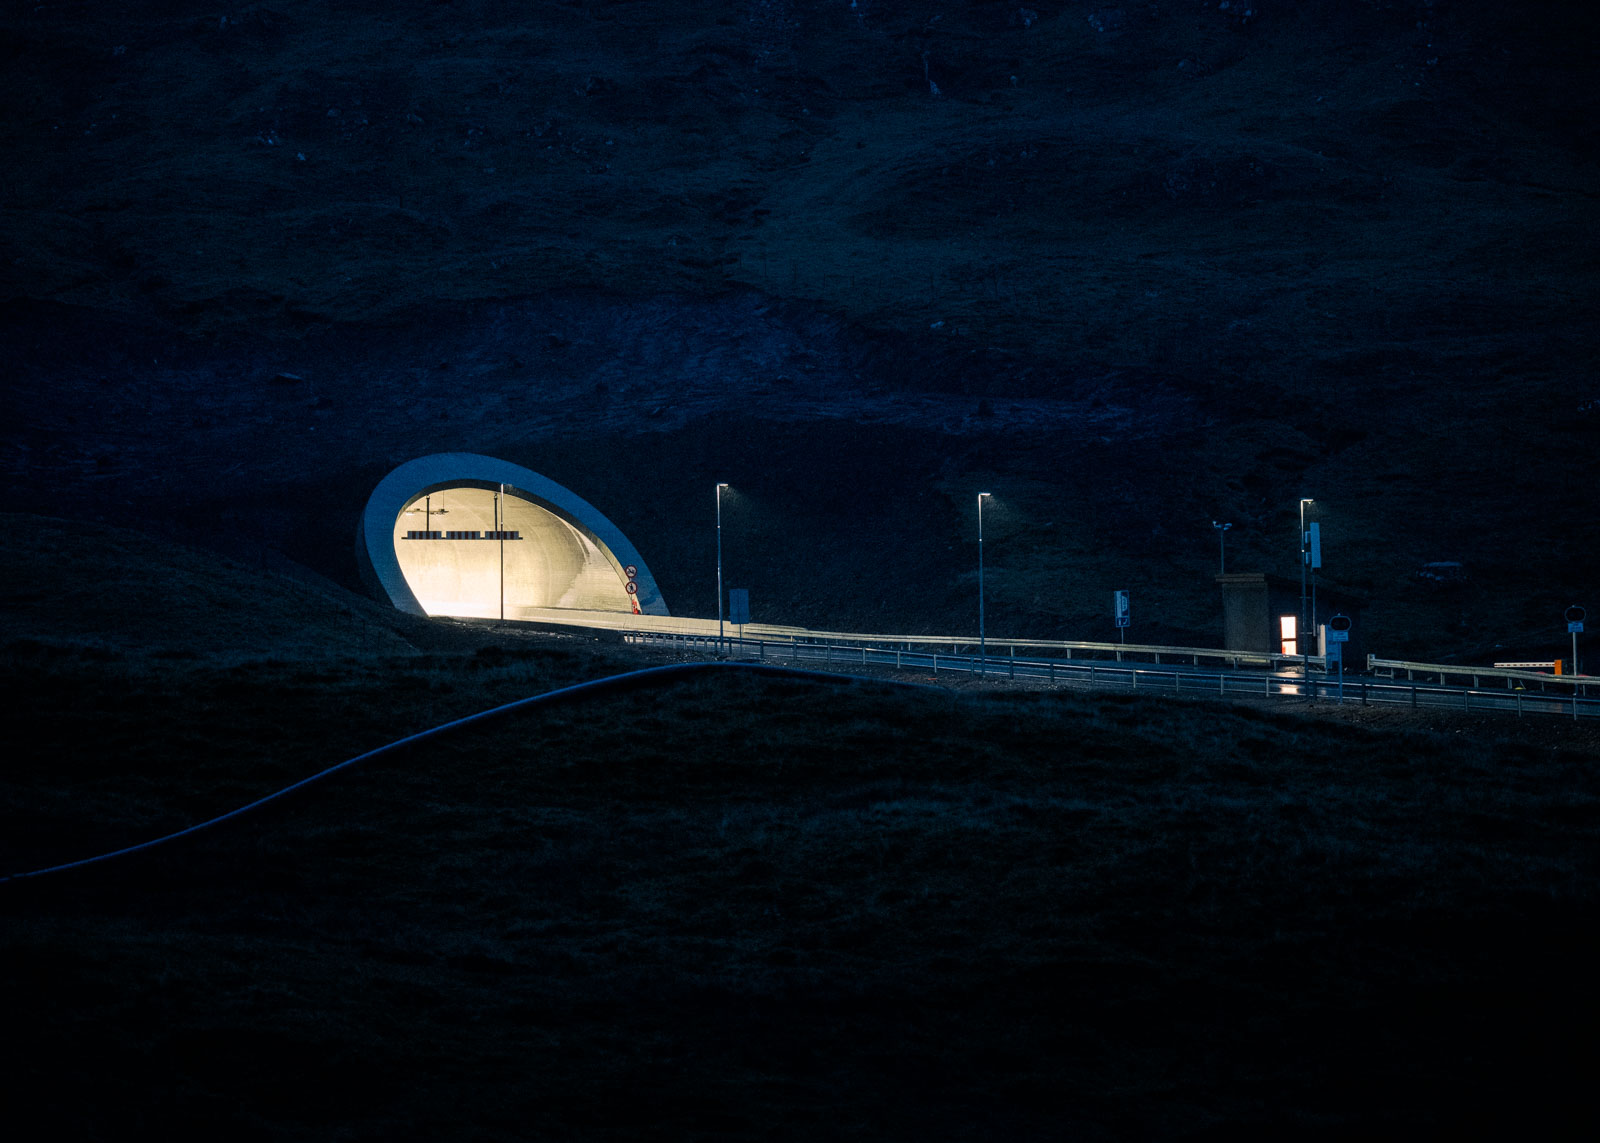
(470,536)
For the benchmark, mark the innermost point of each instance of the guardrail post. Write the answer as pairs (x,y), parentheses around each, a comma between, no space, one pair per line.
(936,662)
(1052,670)
(1413,696)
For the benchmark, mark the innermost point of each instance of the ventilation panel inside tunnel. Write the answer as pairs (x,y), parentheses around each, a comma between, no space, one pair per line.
(465,535)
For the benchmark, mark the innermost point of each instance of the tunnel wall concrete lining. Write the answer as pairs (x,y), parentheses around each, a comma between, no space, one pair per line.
(570,554)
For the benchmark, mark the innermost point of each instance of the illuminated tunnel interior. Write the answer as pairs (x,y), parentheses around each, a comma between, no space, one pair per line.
(466,535)
(467,551)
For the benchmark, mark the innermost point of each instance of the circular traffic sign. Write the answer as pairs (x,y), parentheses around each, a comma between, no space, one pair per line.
(631,572)
(1576,614)
(633,588)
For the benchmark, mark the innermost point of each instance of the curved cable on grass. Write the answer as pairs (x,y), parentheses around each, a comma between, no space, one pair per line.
(626,681)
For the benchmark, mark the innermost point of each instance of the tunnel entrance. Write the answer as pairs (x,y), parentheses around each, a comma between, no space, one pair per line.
(475,551)
(471,536)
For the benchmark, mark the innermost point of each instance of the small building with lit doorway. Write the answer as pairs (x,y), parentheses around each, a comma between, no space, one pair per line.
(1261,613)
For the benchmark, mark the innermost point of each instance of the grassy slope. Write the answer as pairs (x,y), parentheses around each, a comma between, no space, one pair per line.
(1361,233)
(745,907)
(122,592)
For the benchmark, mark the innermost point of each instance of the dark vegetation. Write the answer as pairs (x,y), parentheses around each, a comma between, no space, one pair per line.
(1132,269)
(754,907)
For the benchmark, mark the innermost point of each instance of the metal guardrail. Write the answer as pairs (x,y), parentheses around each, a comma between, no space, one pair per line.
(1512,679)
(958,644)
(1192,683)
(1118,652)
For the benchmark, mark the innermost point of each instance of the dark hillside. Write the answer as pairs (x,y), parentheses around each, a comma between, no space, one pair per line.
(767,908)
(740,907)
(1336,248)
(1133,268)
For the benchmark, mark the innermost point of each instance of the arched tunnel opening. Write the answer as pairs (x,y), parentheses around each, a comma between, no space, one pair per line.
(476,551)
(465,535)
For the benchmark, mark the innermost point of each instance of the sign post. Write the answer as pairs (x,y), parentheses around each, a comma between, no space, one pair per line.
(739,608)
(632,587)
(1338,636)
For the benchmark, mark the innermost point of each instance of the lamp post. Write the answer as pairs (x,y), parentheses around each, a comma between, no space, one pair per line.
(1222,538)
(720,650)
(982,646)
(1305,562)
(1575,618)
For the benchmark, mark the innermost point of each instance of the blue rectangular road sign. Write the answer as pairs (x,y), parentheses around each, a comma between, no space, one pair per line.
(738,606)
(1119,608)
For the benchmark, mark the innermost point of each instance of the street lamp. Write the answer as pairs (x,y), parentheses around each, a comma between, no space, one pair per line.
(982,646)
(1222,537)
(720,650)
(1305,562)
(1575,618)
